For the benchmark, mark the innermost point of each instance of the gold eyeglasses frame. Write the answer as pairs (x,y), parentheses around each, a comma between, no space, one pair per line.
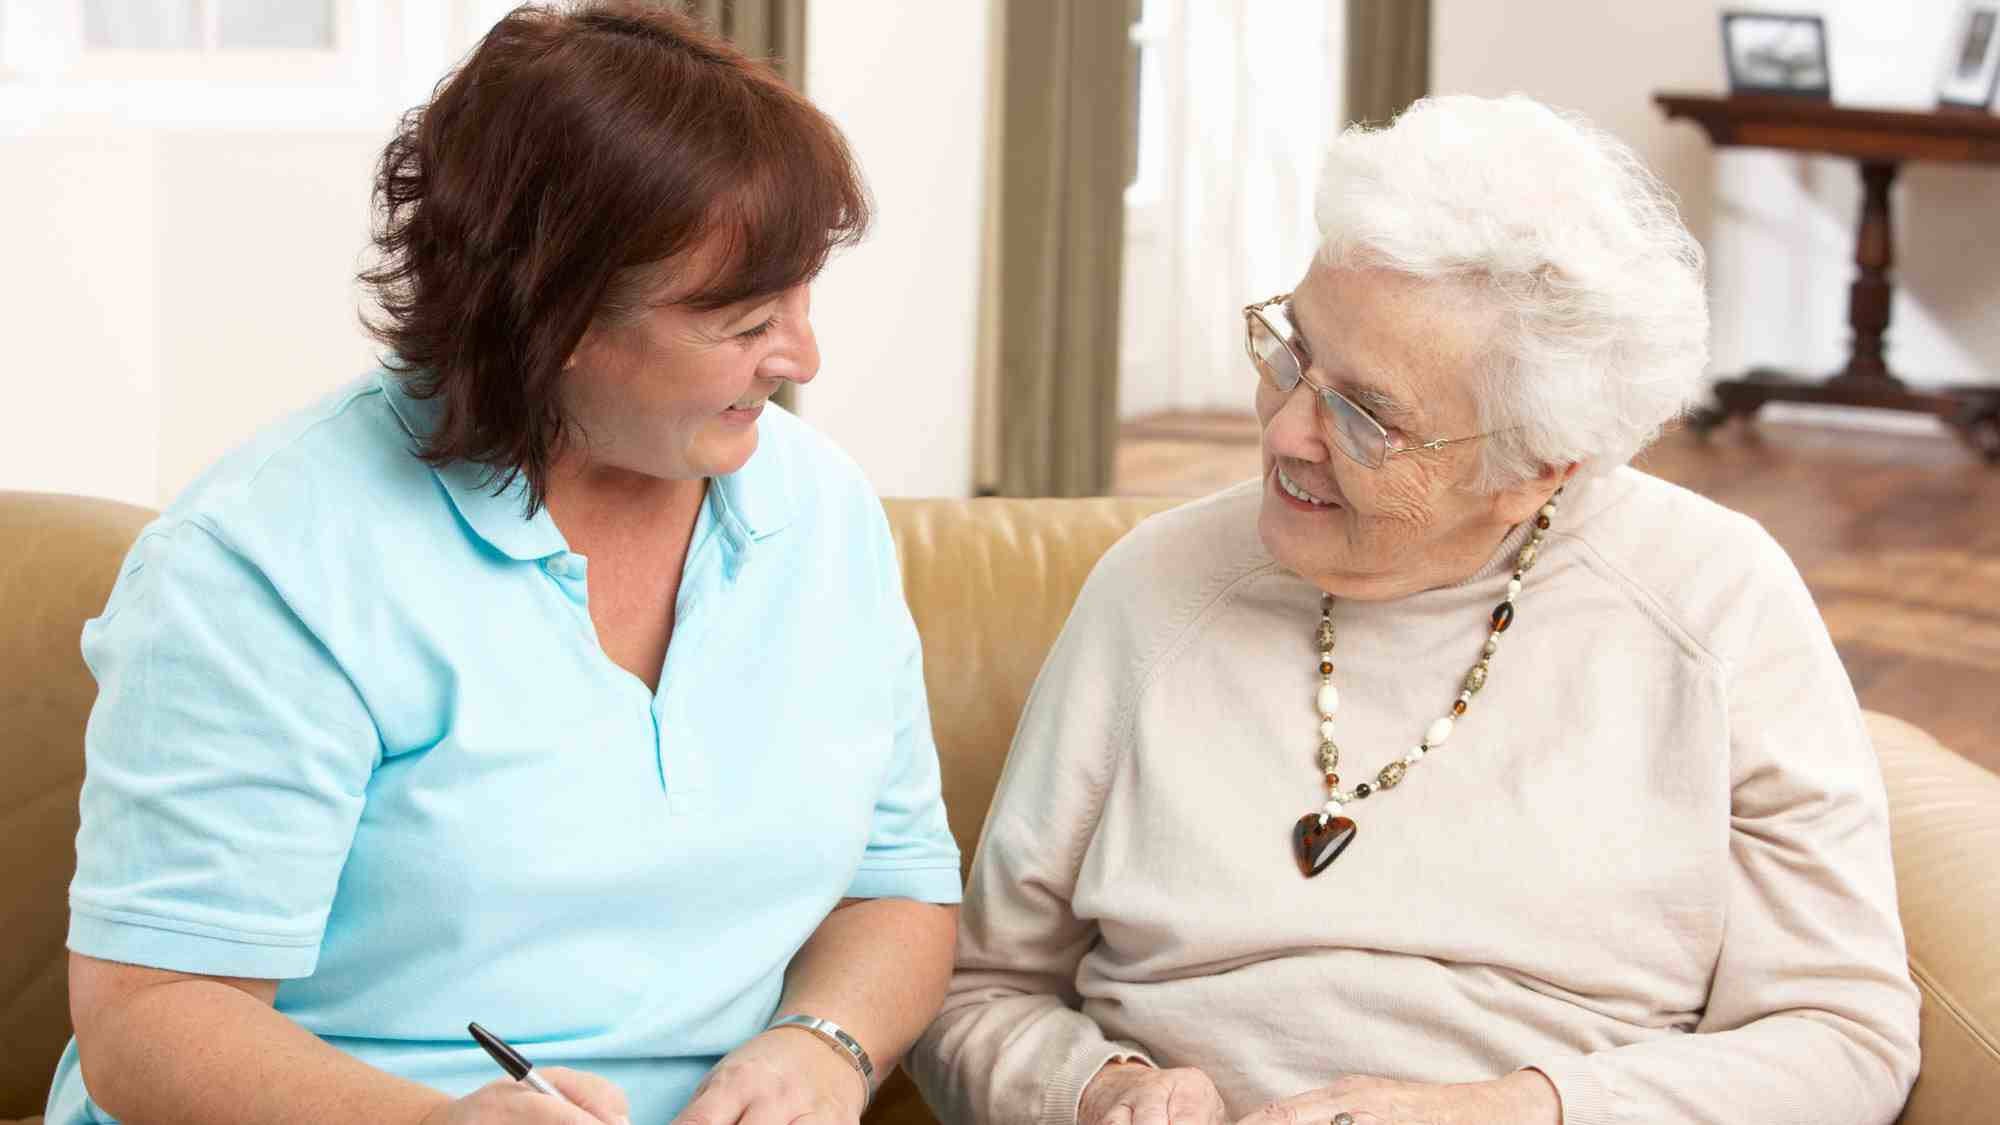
(1354,430)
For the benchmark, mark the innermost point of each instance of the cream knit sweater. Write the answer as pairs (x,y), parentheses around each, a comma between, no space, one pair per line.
(1653,860)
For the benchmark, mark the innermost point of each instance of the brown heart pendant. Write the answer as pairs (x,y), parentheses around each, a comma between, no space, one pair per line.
(1318,843)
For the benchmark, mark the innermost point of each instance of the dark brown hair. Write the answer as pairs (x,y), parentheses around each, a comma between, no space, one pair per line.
(545,182)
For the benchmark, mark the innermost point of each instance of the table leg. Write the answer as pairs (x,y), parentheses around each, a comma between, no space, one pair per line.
(1868,298)
(1972,413)
(1978,424)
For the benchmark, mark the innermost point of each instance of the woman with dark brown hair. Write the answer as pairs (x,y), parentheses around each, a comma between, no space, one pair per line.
(548,677)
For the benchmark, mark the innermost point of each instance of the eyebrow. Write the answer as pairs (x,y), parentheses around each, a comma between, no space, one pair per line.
(1367,395)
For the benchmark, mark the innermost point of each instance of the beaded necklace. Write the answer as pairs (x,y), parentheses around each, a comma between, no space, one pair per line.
(1319,837)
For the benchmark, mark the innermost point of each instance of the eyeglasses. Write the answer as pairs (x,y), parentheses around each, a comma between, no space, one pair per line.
(1271,340)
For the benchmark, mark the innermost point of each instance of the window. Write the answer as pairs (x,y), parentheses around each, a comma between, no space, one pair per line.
(1151,36)
(313,64)
(209,40)
(1236,100)
(207,25)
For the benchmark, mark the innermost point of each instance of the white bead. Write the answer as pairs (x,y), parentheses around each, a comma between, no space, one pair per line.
(1440,730)
(1513,588)
(1331,808)
(1549,510)
(1329,700)
(1414,756)
(1420,751)
(1326,729)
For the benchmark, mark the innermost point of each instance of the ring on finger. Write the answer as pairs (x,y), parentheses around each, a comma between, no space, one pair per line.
(1343,1119)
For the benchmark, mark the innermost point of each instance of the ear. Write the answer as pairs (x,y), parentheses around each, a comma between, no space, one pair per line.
(1522,501)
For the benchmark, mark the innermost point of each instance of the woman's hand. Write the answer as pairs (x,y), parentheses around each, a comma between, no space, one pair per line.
(1524,1097)
(506,1102)
(1129,1093)
(786,1076)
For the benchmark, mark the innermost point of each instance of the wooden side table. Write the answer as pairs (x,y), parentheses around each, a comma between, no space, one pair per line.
(1880,141)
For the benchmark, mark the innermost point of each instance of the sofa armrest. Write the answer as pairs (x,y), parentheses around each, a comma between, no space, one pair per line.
(1944,817)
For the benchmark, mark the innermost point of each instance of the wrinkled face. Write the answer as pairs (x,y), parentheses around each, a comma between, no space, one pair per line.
(1405,351)
(675,392)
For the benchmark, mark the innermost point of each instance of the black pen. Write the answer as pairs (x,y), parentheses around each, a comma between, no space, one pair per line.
(510,1060)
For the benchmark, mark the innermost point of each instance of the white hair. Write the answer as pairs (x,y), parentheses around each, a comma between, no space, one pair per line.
(1603,316)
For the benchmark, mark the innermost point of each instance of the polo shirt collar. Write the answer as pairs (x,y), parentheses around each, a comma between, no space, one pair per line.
(758,500)
(498,518)
(751,504)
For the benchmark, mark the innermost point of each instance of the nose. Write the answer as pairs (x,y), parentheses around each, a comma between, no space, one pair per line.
(796,358)
(1293,430)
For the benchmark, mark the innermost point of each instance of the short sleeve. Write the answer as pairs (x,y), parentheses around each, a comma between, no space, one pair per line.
(911,853)
(227,758)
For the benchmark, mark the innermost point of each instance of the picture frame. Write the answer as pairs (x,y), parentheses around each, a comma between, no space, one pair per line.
(1776,53)
(1971,71)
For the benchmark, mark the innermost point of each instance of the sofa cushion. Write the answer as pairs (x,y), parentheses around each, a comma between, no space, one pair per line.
(1944,820)
(962,559)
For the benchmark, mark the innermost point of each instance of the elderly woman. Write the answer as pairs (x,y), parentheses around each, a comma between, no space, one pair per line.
(549,678)
(1452,771)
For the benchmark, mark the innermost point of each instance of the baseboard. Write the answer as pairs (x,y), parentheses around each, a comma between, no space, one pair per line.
(1850,418)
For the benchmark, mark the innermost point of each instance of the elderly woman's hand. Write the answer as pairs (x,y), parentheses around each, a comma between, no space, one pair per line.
(1129,1093)
(1524,1097)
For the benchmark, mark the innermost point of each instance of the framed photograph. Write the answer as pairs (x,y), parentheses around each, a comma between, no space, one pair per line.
(1972,65)
(1776,53)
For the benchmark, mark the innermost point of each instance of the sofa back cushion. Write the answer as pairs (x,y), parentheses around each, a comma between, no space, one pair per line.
(62,554)
(990,583)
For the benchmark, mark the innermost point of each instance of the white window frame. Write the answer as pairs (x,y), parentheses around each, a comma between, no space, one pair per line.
(53,48)
(386,56)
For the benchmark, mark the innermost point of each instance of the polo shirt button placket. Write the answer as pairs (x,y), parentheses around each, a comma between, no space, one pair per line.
(568,571)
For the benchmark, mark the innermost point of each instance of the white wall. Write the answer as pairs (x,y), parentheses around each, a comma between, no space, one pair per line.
(259,241)
(178,241)
(1779,228)
(79,374)
(164,291)
(898,316)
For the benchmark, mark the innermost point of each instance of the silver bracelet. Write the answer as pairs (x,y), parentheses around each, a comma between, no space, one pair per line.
(836,1037)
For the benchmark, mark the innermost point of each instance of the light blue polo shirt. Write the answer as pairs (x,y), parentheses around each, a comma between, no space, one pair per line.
(354,731)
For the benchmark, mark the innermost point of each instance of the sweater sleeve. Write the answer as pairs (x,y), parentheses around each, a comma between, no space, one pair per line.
(1811,1014)
(1011,1046)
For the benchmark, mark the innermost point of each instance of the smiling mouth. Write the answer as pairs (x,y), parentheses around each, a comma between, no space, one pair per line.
(1293,490)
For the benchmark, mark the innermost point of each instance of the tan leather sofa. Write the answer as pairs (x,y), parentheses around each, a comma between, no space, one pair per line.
(990,582)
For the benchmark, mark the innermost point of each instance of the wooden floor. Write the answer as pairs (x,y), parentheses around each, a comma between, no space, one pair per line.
(1897,534)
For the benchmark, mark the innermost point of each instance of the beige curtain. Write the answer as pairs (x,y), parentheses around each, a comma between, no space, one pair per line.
(1388,57)
(1066,145)
(772,30)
